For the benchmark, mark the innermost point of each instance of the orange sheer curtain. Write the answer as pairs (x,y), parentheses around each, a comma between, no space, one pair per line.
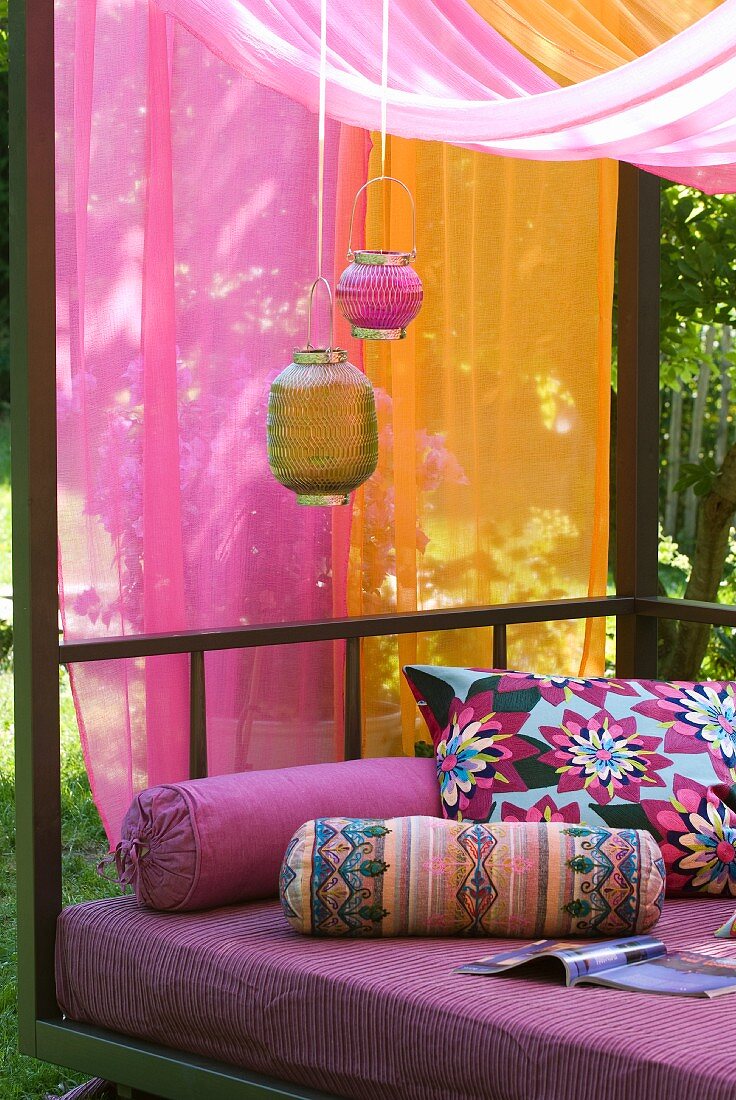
(577,39)
(492,483)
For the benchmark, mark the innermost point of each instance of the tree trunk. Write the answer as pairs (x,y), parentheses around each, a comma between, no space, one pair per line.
(696,435)
(725,405)
(715,518)
(673,463)
(666,635)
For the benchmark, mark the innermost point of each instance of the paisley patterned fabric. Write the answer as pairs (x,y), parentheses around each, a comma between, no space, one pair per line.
(422,876)
(510,746)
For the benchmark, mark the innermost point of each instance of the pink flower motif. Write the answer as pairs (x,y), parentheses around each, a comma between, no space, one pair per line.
(436,466)
(696,716)
(544,810)
(435,865)
(88,603)
(561,689)
(477,750)
(435,463)
(516,864)
(603,755)
(698,831)
(437,922)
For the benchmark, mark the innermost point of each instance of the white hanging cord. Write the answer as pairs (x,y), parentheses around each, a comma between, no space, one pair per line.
(384,86)
(321,131)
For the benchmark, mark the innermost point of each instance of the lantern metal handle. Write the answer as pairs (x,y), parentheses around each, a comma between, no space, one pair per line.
(320,279)
(392,179)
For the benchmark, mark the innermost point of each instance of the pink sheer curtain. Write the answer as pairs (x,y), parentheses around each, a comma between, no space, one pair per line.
(186,223)
(455,79)
(186,216)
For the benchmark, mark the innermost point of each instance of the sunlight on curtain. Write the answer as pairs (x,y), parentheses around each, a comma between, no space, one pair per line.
(492,483)
(577,39)
(186,215)
(186,241)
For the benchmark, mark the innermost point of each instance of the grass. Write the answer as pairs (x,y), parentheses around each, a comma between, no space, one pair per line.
(83,840)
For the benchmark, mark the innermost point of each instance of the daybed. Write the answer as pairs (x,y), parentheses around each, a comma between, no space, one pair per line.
(389,1018)
(196,1005)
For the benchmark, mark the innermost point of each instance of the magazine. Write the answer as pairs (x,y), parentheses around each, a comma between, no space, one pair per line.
(638,963)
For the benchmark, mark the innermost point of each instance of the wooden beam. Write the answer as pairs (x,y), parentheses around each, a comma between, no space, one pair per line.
(689,611)
(637,420)
(330,630)
(33,427)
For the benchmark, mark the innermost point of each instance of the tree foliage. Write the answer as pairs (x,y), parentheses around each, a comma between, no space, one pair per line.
(698,321)
(698,271)
(4,36)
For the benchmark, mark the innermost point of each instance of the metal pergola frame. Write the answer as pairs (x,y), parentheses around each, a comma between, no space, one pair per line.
(137,1067)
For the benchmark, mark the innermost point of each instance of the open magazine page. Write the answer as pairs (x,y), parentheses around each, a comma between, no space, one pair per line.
(580,958)
(681,974)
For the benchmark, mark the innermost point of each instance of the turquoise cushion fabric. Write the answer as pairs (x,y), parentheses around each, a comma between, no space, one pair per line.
(512,746)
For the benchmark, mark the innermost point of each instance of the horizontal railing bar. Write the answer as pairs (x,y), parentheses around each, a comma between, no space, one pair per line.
(330,630)
(689,611)
(169,1073)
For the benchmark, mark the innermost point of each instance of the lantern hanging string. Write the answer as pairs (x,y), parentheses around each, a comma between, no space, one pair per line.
(384,85)
(321,132)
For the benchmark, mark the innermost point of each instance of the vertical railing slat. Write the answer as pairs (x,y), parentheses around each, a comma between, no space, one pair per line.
(353,718)
(500,645)
(197,716)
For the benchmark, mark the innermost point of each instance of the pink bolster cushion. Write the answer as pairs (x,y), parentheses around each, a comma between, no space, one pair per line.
(216,841)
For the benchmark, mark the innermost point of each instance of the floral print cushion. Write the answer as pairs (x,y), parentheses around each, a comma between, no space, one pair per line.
(511,746)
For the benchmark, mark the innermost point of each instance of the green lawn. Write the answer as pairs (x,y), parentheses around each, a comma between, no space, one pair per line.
(83,841)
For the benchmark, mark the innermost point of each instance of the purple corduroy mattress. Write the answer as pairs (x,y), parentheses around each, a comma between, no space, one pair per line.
(388,1018)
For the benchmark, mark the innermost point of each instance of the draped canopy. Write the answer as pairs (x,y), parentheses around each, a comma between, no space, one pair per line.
(579,39)
(186,238)
(456,79)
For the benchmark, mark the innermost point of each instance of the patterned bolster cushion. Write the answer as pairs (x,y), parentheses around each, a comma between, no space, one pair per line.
(209,842)
(422,876)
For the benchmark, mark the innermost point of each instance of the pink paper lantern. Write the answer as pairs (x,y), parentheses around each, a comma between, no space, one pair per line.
(380,292)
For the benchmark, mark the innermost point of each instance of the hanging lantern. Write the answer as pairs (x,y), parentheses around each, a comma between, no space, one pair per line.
(380,292)
(322,428)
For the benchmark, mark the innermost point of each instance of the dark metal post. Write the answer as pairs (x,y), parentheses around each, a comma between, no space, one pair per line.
(637,423)
(353,733)
(500,656)
(33,381)
(197,716)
